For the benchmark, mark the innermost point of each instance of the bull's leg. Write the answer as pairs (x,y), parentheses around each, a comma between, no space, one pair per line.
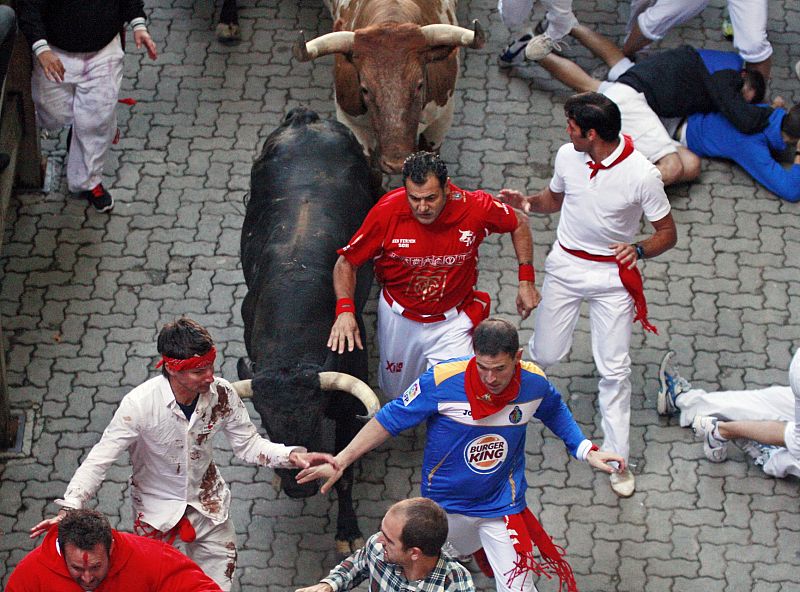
(228,28)
(348,535)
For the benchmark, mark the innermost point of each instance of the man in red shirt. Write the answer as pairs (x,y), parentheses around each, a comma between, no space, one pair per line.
(423,240)
(82,552)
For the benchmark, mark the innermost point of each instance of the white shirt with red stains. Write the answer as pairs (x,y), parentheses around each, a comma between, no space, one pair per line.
(171,456)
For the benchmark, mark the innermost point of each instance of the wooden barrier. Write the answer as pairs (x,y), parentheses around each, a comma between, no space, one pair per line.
(19,139)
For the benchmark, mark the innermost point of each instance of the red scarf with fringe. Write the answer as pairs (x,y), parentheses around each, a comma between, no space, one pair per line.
(525,532)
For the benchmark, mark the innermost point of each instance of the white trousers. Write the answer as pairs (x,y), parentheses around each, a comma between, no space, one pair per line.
(86,100)
(775,403)
(569,282)
(748,17)
(467,534)
(516,15)
(214,547)
(409,348)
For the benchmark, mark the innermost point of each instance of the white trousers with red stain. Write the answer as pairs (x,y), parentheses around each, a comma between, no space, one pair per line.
(775,403)
(569,282)
(467,534)
(409,348)
(86,100)
(748,18)
(516,15)
(213,549)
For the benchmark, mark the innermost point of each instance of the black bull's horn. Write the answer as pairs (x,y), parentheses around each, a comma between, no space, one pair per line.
(342,41)
(330,381)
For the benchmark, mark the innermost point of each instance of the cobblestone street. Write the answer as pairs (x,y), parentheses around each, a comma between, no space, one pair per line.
(83,295)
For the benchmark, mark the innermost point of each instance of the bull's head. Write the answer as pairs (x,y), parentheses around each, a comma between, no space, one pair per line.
(292,406)
(391,72)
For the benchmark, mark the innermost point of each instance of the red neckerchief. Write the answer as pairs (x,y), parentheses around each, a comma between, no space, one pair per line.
(627,150)
(481,402)
(176,365)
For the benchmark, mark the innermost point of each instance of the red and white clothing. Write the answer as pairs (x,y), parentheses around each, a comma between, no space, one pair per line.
(425,270)
(137,565)
(173,468)
(596,212)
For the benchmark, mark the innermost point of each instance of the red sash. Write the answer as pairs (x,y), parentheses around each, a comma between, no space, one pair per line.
(631,279)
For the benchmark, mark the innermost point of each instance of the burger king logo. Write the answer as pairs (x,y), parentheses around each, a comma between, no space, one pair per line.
(486,453)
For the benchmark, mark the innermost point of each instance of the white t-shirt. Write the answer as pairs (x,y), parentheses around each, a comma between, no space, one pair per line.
(607,208)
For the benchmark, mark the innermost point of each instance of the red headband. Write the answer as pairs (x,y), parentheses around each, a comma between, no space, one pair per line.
(176,364)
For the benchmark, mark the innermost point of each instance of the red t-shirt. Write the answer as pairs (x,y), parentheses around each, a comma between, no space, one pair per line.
(428,269)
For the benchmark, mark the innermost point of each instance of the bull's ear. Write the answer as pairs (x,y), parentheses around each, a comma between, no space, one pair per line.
(439,53)
(441,75)
(338,25)
(348,89)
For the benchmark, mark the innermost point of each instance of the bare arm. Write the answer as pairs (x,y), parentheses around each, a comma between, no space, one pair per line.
(345,328)
(370,437)
(528,296)
(663,239)
(543,202)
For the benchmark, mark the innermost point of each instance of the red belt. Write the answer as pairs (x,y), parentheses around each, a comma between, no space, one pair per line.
(631,280)
(413,316)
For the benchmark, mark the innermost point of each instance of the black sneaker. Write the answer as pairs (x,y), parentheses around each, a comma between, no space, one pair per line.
(99,198)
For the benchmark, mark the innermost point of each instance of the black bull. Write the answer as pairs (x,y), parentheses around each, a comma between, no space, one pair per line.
(310,191)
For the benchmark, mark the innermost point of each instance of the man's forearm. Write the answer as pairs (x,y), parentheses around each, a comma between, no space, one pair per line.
(663,239)
(371,436)
(545,201)
(522,240)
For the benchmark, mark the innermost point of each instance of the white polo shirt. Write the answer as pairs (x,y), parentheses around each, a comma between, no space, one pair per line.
(607,208)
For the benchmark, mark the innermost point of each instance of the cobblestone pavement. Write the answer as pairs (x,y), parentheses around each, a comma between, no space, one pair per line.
(83,294)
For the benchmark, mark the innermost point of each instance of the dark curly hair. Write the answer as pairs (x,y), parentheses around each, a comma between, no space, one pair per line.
(419,165)
(84,529)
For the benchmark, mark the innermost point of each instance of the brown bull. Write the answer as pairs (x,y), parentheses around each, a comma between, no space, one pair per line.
(396,69)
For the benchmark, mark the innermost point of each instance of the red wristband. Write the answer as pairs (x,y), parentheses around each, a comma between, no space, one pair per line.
(526,273)
(345,305)
(594,447)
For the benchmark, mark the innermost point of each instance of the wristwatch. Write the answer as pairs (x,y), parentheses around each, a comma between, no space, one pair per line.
(639,251)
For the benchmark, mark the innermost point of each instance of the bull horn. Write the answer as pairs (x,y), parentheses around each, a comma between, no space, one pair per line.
(336,42)
(243,388)
(339,381)
(453,35)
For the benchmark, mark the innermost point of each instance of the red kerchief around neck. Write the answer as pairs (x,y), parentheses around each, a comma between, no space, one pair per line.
(481,402)
(627,150)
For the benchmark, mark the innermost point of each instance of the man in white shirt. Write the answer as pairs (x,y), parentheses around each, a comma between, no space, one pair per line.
(601,186)
(168,424)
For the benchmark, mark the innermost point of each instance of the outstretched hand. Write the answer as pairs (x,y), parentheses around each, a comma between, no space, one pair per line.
(600,460)
(330,472)
(47,523)
(516,199)
(304,460)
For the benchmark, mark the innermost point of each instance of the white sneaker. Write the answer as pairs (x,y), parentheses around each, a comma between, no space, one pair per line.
(797,68)
(514,53)
(623,484)
(541,46)
(715,446)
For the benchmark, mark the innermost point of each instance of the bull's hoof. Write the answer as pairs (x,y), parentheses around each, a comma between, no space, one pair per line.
(244,369)
(228,33)
(345,548)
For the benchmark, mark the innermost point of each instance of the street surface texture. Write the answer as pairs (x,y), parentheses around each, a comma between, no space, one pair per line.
(83,295)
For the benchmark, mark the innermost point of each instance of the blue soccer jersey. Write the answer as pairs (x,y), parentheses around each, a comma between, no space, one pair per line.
(477,467)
